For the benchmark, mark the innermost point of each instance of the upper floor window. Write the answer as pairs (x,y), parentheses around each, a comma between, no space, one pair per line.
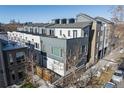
(52,32)
(36,45)
(68,32)
(74,33)
(43,31)
(31,30)
(26,29)
(35,30)
(60,32)
(82,33)
(32,40)
(10,58)
(85,34)
(20,56)
(56,51)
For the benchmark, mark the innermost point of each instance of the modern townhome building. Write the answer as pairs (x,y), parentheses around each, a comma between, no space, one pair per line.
(13,62)
(101,29)
(57,43)
(60,45)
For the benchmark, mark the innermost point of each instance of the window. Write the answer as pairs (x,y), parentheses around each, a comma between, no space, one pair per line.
(13,75)
(10,58)
(57,51)
(43,31)
(25,38)
(35,30)
(32,40)
(98,33)
(106,41)
(31,30)
(83,49)
(82,33)
(36,45)
(20,75)
(52,32)
(26,29)
(60,32)
(20,56)
(68,32)
(29,42)
(85,34)
(74,33)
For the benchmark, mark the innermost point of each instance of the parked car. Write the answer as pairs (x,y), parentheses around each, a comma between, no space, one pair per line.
(118,76)
(110,85)
(121,50)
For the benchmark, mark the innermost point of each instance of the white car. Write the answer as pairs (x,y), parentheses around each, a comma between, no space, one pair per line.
(118,76)
(121,50)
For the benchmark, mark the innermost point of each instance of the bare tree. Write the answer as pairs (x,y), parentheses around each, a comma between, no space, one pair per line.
(117,16)
(117,13)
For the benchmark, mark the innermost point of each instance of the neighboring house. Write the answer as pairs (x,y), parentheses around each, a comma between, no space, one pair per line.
(13,62)
(105,36)
(101,40)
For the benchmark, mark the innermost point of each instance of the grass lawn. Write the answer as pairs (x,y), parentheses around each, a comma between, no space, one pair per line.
(28,85)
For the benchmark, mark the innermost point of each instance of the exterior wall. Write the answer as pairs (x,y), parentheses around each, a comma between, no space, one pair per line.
(77,51)
(59,64)
(55,66)
(3,81)
(25,38)
(81,18)
(65,32)
(93,44)
(54,63)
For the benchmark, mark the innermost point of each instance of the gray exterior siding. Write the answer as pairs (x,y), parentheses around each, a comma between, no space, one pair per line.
(77,50)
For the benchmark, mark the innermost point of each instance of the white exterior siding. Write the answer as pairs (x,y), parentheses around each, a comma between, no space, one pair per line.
(65,32)
(23,37)
(55,66)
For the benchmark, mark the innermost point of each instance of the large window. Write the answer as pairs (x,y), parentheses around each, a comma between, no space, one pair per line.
(20,56)
(56,51)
